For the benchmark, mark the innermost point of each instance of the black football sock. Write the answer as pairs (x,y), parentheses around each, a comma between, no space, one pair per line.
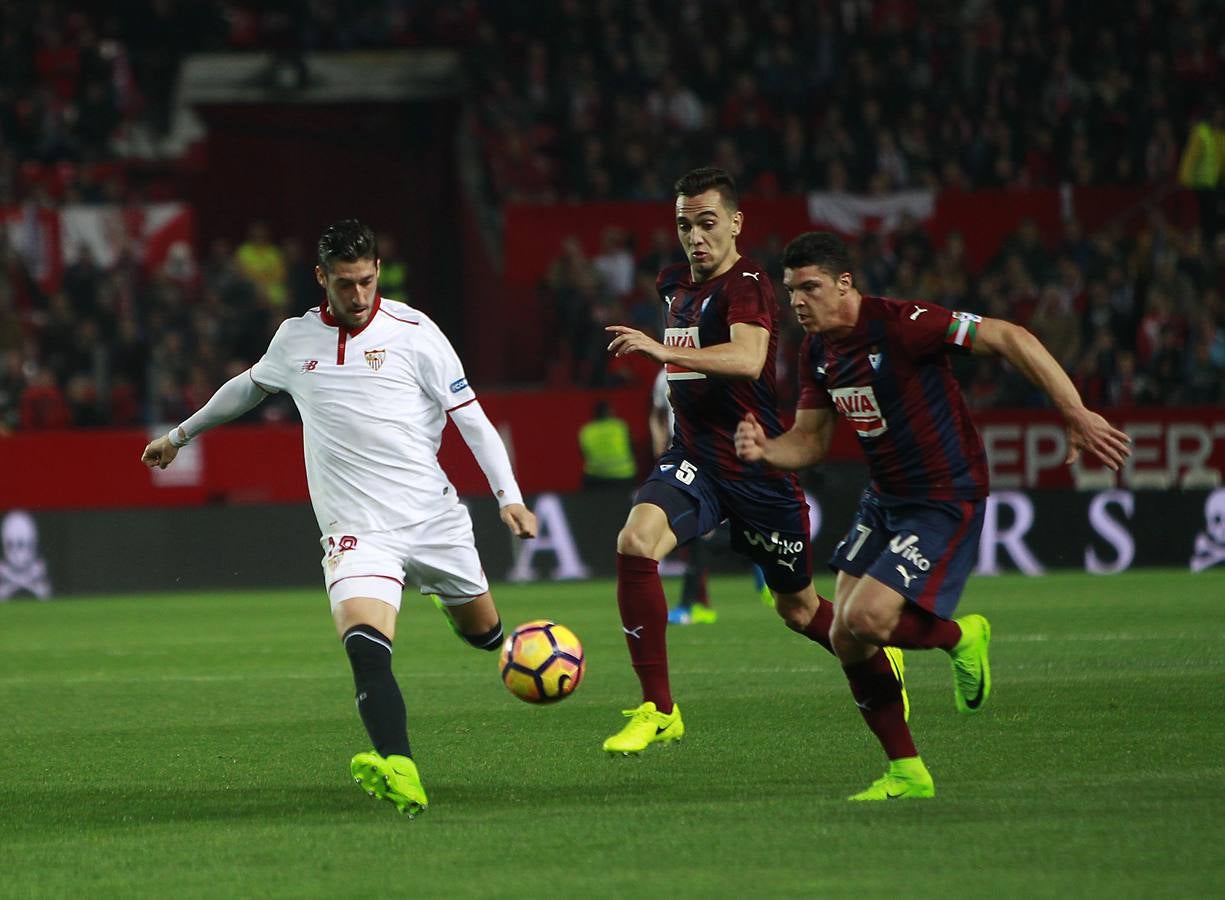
(490,640)
(378,696)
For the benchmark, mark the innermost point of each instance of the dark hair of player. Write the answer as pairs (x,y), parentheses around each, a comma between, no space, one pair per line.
(817,248)
(348,241)
(699,181)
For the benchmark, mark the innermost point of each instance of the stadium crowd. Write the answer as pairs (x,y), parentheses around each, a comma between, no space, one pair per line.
(587,103)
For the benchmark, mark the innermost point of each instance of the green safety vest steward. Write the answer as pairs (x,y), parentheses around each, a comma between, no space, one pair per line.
(1203,160)
(607,452)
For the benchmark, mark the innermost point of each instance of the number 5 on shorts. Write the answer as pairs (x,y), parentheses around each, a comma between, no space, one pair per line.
(686,472)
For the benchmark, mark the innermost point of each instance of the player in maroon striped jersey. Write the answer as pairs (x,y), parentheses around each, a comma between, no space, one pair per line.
(719,350)
(882,365)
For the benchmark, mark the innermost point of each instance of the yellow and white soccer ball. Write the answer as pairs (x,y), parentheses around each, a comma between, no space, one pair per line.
(542,662)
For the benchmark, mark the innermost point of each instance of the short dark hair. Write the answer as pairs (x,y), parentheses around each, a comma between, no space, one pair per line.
(348,241)
(822,249)
(699,181)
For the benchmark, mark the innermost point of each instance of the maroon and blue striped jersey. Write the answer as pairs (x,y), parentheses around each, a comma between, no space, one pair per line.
(890,378)
(708,407)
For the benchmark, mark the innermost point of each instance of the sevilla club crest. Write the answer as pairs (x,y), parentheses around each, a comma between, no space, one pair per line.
(374,358)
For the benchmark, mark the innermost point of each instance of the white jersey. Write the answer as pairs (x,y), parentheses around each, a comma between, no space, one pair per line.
(373,403)
(659,399)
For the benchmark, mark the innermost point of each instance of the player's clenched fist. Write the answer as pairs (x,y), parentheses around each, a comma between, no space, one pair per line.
(159,453)
(750,439)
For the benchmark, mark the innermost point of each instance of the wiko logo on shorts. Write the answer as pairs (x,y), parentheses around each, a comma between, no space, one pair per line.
(773,543)
(908,549)
(459,385)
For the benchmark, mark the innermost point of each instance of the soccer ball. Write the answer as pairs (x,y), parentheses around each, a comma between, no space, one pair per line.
(542,662)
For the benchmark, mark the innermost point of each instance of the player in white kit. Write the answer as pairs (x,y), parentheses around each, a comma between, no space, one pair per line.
(374,381)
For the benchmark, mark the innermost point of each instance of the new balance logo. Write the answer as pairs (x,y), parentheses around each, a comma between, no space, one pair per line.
(756,276)
(918,311)
(633,632)
(901,571)
(309,365)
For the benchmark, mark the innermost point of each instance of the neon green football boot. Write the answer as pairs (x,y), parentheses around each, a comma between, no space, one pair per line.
(894,655)
(702,615)
(442,608)
(971,668)
(905,779)
(393,778)
(646,726)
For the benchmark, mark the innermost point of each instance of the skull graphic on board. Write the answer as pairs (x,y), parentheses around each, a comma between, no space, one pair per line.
(1210,544)
(22,569)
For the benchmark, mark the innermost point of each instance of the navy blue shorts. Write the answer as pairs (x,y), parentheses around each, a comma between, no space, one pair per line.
(923,549)
(769,517)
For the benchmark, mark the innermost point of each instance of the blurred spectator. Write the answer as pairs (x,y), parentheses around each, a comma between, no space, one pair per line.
(608,454)
(42,403)
(393,271)
(615,264)
(263,264)
(1202,168)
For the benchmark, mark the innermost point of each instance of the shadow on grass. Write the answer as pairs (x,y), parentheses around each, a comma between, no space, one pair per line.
(42,809)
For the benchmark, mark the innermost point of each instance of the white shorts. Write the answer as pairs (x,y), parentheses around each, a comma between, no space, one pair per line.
(438,554)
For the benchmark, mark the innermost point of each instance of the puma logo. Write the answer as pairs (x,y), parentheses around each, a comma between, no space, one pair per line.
(918,311)
(633,632)
(909,578)
(788,563)
(756,276)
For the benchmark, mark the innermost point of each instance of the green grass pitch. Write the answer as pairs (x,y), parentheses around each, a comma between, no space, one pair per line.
(197,746)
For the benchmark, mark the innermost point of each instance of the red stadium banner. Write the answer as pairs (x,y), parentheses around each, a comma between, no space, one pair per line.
(247,464)
(50,238)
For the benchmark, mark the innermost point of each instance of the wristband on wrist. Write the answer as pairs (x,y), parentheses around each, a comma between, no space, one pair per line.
(173,436)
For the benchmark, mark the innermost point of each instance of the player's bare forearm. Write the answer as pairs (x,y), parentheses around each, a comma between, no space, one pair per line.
(1027,355)
(744,356)
(794,450)
(805,444)
(724,360)
(1086,429)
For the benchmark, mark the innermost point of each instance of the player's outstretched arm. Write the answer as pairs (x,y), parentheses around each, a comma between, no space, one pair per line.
(804,444)
(235,397)
(743,356)
(1086,429)
(486,445)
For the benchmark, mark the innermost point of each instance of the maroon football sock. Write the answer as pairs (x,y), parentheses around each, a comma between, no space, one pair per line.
(817,629)
(644,619)
(918,629)
(879,698)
